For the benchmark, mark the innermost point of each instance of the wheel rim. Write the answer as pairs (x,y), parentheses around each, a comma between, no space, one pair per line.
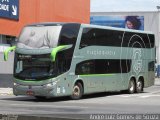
(76,91)
(139,85)
(132,87)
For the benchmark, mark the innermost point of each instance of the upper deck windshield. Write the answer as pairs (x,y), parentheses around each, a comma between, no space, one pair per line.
(39,37)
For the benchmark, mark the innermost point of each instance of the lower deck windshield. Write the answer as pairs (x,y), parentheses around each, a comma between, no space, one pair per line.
(34,67)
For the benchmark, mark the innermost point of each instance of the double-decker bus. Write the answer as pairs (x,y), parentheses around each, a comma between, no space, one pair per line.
(72,59)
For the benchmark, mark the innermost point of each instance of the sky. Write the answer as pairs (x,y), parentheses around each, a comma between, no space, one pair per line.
(124,5)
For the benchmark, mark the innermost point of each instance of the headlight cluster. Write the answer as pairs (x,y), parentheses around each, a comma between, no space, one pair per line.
(16,84)
(49,85)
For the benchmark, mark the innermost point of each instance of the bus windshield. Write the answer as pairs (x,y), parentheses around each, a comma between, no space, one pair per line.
(38,37)
(34,67)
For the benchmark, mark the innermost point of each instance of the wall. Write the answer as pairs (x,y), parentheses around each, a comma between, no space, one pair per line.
(6,70)
(32,11)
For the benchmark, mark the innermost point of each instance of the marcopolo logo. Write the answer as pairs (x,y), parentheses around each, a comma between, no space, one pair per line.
(9,9)
(137,60)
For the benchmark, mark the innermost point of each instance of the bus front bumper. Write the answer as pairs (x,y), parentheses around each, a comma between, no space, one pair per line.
(47,90)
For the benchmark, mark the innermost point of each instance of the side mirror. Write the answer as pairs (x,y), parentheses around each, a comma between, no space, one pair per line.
(57,49)
(7,51)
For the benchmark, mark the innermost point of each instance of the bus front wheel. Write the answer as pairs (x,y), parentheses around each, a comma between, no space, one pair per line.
(131,87)
(77,91)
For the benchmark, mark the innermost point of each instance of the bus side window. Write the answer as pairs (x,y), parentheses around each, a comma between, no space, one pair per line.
(151,66)
(88,37)
(85,68)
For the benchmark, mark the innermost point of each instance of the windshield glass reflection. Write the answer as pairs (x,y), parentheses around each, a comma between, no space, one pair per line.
(39,37)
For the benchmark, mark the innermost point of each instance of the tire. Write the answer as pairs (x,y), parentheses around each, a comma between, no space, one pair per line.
(131,87)
(139,86)
(77,91)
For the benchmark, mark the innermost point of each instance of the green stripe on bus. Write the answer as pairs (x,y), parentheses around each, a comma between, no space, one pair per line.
(57,49)
(99,75)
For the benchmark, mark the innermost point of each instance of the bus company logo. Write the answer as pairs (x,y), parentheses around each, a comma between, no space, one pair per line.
(101,52)
(137,60)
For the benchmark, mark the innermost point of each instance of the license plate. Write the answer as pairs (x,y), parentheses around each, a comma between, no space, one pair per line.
(30,93)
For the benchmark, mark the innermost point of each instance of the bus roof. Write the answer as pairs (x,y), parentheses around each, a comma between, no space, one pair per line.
(51,23)
(115,28)
(90,26)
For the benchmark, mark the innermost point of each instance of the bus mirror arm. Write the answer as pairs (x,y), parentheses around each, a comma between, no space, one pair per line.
(58,49)
(7,51)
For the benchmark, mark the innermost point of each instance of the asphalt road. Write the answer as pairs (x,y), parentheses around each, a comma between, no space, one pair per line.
(103,103)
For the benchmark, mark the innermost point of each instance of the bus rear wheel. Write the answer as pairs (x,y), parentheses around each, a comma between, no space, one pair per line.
(139,87)
(131,87)
(77,91)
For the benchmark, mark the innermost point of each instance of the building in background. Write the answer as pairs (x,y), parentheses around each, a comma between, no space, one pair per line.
(14,14)
(115,13)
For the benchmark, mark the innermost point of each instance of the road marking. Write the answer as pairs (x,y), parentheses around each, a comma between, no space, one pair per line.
(126,96)
(147,96)
(155,92)
(140,96)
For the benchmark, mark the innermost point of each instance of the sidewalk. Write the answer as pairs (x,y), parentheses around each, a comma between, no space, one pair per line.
(9,91)
(6,91)
(157,81)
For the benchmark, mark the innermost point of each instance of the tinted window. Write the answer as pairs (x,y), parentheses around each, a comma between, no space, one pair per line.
(34,67)
(104,37)
(69,34)
(100,37)
(151,66)
(138,40)
(152,40)
(103,66)
(63,61)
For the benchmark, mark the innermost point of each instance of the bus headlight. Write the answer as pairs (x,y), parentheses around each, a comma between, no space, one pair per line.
(54,83)
(16,84)
(50,85)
